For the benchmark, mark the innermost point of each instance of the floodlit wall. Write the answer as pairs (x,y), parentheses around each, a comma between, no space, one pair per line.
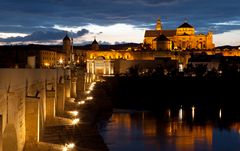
(16,87)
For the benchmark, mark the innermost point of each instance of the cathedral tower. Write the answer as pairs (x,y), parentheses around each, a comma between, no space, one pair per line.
(159,24)
(67,47)
(95,45)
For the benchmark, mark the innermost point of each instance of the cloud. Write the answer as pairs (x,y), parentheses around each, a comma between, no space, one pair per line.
(104,43)
(9,35)
(155,3)
(231,37)
(82,32)
(228,23)
(34,16)
(44,36)
(111,34)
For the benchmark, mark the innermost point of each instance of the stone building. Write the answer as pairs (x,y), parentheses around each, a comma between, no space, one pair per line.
(68,49)
(95,45)
(110,62)
(182,38)
(51,59)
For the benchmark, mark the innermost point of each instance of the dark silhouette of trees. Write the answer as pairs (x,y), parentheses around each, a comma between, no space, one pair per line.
(200,70)
(133,71)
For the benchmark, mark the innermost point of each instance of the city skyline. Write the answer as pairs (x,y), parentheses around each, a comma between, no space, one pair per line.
(118,21)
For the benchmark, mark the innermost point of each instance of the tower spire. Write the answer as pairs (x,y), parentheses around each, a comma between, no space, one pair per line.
(159,24)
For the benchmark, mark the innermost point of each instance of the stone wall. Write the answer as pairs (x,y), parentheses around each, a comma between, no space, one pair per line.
(16,87)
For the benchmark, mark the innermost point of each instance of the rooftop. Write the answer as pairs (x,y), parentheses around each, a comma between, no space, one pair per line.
(66,37)
(156,33)
(185,25)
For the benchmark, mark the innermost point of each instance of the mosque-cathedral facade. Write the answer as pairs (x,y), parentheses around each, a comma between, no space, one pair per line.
(159,45)
(182,38)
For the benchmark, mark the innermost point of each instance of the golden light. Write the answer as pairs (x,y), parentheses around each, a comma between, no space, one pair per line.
(89,98)
(81,102)
(68,146)
(75,121)
(46,64)
(71,145)
(88,92)
(61,61)
(73,113)
(193,112)
(64,148)
(92,86)
(180,114)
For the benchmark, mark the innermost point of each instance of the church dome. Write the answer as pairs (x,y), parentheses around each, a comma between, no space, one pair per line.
(185,25)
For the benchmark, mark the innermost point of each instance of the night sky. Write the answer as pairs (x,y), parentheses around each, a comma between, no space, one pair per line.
(113,21)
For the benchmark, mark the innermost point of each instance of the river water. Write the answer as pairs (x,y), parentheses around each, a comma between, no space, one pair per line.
(144,131)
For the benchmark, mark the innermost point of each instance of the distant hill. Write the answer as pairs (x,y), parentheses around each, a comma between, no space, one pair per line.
(108,47)
(227,47)
(60,47)
(31,47)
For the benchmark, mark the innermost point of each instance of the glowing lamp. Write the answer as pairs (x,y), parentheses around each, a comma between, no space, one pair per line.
(75,121)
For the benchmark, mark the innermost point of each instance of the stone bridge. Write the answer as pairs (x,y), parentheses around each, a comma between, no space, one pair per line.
(29,98)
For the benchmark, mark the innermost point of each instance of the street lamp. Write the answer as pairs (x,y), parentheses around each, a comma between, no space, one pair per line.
(61,61)
(74,113)
(69,146)
(75,121)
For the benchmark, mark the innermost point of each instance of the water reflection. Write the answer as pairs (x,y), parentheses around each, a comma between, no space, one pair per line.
(220,113)
(236,127)
(180,114)
(169,113)
(143,131)
(193,112)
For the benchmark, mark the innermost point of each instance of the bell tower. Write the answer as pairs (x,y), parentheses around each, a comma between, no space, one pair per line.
(95,45)
(67,48)
(159,24)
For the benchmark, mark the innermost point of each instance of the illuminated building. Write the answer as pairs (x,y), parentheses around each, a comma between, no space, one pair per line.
(100,66)
(47,58)
(110,62)
(51,59)
(182,38)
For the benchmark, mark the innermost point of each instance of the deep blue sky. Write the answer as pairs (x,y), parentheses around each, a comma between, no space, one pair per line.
(45,21)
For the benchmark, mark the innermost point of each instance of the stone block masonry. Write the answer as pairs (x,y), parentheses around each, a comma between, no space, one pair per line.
(26,102)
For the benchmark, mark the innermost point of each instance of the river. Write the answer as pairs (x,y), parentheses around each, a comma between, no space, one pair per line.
(129,130)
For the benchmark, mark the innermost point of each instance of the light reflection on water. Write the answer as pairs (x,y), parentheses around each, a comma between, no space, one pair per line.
(142,131)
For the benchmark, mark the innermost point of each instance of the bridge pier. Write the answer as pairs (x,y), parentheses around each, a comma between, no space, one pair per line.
(80,84)
(73,87)
(67,82)
(32,119)
(60,105)
(1,128)
(67,88)
(50,104)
